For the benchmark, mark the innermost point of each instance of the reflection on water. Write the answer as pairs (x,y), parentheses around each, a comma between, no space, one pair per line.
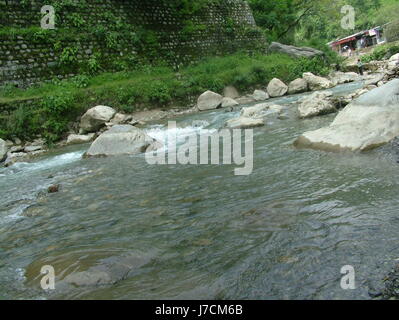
(122,229)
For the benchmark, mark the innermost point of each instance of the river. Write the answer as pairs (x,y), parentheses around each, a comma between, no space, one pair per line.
(200,232)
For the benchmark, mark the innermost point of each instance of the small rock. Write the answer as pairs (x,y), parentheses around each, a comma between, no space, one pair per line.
(229,102)
(32,148)
(79,138)
(53,189)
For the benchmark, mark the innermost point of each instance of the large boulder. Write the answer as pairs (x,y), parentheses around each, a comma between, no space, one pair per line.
(122,139)
(3,150)
(95,118)
(244,123)
(260,95)
(209,100)
(276,88)
(296,52)
(297,86)
(368,122)
(316,104)
(316,82)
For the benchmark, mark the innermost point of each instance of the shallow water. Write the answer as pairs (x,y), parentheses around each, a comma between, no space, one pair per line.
(200,232)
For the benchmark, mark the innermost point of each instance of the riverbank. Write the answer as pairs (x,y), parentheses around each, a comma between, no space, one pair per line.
(50,109)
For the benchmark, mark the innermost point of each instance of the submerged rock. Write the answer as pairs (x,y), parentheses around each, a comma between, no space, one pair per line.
(368,122)
(3,150)
(261,110)
(53,188)
(256,111)
(316,82)
(95,118)
(276,88)
(209,100)
(244,123)
(316,104)
(122,139)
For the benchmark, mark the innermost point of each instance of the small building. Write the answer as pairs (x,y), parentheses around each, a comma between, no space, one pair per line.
(358,41)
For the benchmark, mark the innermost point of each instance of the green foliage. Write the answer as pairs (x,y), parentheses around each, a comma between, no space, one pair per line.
(69,55)
(381,52)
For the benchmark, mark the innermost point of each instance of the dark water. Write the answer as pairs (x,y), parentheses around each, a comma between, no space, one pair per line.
(200,232)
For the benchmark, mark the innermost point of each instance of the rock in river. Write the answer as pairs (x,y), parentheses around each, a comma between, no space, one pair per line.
(244,123)
(316,104)
(368,122)
(260,95)
(122,139)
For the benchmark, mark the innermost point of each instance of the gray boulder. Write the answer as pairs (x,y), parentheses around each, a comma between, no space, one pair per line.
(122,140)
(95,118)
(260,95)
(368,122)
(316,104)
(296,52)
(316,82)
(297,86)
(276,88)
(79,138)
(3,150)
(209,100)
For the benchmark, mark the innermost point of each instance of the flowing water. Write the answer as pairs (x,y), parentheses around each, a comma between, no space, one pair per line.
(200,232)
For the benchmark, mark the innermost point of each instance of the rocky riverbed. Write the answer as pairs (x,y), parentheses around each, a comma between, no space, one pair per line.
(99,119)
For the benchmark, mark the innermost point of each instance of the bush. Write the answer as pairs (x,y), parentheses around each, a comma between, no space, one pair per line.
(381,52)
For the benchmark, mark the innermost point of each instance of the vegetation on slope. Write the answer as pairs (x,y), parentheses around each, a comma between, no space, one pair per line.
(57,104)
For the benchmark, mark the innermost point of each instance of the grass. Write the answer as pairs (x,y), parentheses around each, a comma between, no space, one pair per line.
(59,103)
(382,52)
